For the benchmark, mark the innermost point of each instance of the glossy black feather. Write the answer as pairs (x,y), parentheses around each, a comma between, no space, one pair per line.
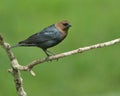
(48,37)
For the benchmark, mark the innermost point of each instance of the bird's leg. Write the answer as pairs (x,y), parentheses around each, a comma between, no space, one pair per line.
(50,52)
(47,58)
(46,52)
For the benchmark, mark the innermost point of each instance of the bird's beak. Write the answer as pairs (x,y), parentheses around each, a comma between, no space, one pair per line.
(69,25)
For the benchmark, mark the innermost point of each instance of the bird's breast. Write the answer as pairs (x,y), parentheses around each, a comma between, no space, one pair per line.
(56,38)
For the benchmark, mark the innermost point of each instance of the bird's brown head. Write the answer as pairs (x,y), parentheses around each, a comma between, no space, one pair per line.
(63,26)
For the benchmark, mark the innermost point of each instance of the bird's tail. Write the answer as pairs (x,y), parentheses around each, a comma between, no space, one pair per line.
(20,44)
(15,46)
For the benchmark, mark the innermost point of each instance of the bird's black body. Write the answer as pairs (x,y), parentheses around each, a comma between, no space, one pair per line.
(48,37)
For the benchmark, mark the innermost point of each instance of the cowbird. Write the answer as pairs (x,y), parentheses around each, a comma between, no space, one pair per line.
(48,37)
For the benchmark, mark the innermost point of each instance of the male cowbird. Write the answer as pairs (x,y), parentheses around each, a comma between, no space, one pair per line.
(48,37)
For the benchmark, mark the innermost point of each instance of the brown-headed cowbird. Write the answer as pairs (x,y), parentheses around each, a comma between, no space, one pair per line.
(48,37)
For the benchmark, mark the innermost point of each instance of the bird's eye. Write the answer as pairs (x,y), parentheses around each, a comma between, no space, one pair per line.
(65,24)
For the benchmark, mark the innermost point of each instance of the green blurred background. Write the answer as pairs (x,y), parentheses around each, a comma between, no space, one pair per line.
(93,73)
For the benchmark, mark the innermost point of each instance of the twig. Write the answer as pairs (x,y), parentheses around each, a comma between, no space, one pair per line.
(79,50)
(14,71)
(16,66)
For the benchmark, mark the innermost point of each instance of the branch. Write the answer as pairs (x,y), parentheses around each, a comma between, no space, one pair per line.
(14,71)
(16,66)
(79,50)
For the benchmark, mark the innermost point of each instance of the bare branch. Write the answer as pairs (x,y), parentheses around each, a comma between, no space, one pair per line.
(16,66)
(79,50)
(14,71)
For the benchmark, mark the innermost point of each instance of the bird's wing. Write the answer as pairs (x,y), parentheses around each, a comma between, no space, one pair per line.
(41,37)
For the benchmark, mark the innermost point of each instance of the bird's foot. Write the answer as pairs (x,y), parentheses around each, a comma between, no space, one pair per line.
(48,53)
(47,59)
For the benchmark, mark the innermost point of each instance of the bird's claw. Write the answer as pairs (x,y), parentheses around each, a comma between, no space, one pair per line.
(47,58)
